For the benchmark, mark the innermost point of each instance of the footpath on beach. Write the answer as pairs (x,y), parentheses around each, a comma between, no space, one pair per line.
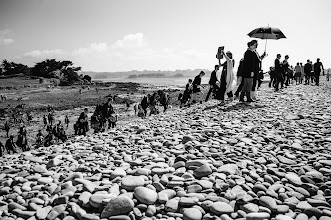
(266,160)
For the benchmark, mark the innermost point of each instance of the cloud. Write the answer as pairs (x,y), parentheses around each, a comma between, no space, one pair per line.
(132,51)
(131,41)
(192,53)
(93,48)
(4,40)
(44,53)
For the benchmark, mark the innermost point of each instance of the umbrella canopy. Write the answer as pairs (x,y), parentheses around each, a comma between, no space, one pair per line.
(267,33)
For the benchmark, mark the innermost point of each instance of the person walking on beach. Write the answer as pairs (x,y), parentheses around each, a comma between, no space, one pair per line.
(2,149)
(228,79)
(250,67)
(302,73)
(297,74)
(45,120)
(10,145)
(145,103)
(328,75)
(307,70)
(213,82)
(272,75)
(22,141)
(318,67)
(239,78)
(197,86)
(278,73)
(284,69)
(66,120)
(260,79)
(256,74)
(7,128)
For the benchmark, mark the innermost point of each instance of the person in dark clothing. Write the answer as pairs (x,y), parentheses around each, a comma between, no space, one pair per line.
(145,103)
(83,123)
(197,86)
(66,121)
(51,118)
(10,145)
(212,82)
(45,120)
(307,70)
(2,149)
(22,140)
(39,139)
(256,75)
(251,66)
(239,77)
(272,77)
(318,67)
(109,113)
(285,71)
(7,128)
(153,100)
(278,73)
(186,96)
(164,99)
(260,79)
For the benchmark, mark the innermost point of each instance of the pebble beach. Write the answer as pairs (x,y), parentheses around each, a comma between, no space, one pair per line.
(270,159)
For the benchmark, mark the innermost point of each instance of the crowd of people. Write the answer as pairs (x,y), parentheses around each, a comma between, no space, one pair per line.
(249,77)
(284,74)
(151,101)
(20,143)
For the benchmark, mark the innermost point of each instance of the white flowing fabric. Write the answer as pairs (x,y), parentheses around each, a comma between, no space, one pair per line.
(231,78)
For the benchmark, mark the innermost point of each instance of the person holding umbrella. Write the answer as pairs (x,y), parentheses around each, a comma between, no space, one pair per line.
(251,67)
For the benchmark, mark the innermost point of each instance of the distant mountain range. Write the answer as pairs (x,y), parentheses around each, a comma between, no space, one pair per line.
(147,74)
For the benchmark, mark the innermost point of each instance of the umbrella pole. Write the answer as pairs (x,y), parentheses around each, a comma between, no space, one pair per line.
(265,46)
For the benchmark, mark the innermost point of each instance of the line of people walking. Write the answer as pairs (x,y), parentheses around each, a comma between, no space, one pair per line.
(249,77)
(282,74)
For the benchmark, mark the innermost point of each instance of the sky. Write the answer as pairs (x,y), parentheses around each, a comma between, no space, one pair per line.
(124,35)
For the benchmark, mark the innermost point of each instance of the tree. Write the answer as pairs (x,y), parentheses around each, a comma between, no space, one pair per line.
(11,68)
(87,78)
(63,70)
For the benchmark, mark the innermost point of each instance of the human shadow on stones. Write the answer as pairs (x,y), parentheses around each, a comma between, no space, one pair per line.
(237,106)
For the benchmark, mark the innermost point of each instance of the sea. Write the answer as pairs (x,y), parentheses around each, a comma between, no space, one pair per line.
(171,82)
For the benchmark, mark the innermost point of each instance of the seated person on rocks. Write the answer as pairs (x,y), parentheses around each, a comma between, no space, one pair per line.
(153,102)
(197,87)
(39,139)
(97,120)
(49,139)
(10,145)
(141,112)
(186,96)
(164,99)
(83,126)
(109,113)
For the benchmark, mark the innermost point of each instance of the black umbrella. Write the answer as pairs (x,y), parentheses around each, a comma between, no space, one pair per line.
(267,33)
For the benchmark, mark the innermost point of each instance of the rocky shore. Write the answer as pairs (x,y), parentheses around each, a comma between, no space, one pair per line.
(267,160)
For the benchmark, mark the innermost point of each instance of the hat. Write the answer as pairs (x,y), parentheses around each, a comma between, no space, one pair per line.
(286,56)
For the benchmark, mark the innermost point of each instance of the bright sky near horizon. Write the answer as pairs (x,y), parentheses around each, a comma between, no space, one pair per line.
(123,35)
